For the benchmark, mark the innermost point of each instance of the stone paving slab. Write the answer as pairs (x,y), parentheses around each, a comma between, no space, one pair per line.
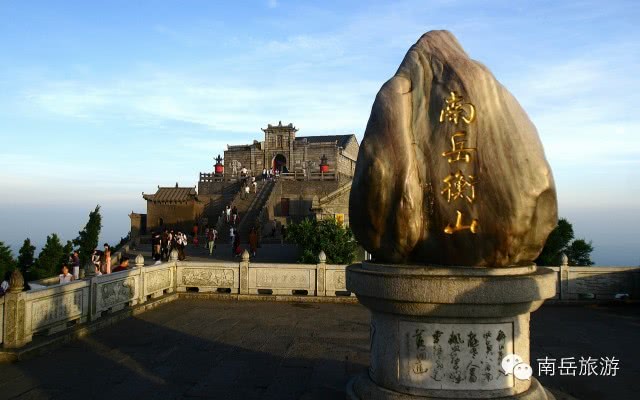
(202,348)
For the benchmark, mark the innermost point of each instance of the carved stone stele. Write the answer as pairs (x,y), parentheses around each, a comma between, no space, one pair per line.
(398,209)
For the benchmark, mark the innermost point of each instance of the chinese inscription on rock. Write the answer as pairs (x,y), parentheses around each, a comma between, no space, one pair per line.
(459,185)
(455,356)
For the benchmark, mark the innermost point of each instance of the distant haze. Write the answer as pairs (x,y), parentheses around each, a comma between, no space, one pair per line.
(100,101)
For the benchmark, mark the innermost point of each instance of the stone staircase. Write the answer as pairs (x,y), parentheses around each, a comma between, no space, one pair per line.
(214,209)
(249,220)
(248,210)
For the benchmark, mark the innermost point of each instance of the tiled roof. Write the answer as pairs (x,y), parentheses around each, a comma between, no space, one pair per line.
(172,194)
(341,139)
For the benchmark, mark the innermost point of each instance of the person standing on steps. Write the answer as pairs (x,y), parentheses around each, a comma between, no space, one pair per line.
(234,215)
(283,233)
(253,241)
(211,240)
(235,248)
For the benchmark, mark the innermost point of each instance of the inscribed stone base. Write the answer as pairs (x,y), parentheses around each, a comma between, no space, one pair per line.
(442,332)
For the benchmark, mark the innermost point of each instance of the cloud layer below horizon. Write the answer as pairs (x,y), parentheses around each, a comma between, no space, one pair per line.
(102,102)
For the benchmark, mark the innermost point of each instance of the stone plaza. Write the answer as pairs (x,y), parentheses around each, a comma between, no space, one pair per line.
(203,348)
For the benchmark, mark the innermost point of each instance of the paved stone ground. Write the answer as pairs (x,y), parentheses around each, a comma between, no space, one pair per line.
(193,349)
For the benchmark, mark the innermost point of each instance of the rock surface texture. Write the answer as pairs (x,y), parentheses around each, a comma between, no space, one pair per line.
(451,170)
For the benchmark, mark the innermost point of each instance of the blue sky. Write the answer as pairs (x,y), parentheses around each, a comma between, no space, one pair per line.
(100,101)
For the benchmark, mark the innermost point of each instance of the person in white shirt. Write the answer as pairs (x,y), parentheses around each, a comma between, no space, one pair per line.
(65,276)
(231,234)
(228,213)
(4,286)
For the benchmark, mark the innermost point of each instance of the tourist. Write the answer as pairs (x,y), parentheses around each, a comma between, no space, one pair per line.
(273,228)
(264,173)
(231,234)
(283,233)
(236,250)
(255,185)
(123,266)
(253,241)
(105,260)
(180,244)
(246,191)
(211,240)
(227,212)
(243,172)
(242,191)
(4,286)
(156,243)
(75,264)
(96,258)
(65,276)
(164,245)
(172,241)
(234,215)
(194,230)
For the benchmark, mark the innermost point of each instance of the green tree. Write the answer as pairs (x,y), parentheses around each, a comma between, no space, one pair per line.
(26,256)
(87,239)
(49,260)
(312,236)
(560,241)
(579,253)
(7,263)
(67,250)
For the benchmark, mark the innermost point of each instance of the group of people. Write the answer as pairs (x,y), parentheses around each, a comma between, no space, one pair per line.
(231,215)
(270,174)
(101,260)
(162,244)
(248,186)
(236,250)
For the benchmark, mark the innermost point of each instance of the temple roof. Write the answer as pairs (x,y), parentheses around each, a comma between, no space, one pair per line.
(172,195)
(342,140)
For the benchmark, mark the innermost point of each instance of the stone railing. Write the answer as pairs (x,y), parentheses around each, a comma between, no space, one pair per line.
(59,307)
(309,176)
(596,282)
(56,308)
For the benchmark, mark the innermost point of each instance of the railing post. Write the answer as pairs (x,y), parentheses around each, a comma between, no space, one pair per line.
(244,273)
(16,321)
(321,273)
(564,277)
(139,264)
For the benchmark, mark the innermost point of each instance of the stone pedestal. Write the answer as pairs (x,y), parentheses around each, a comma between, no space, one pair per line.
(442,332)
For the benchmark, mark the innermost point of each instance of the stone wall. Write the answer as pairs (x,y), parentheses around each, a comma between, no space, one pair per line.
(335,205)
(181,216)
(138,224)
(300,195)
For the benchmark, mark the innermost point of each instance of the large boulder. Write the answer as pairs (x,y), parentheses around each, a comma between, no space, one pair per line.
(451,170)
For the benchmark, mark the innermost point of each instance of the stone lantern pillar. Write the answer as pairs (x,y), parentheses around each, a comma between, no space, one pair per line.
(218,168)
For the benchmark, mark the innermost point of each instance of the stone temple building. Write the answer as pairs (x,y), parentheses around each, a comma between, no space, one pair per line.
(282,150)
(314,180)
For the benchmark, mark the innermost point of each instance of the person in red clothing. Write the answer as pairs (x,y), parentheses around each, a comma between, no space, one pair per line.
(124,265)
